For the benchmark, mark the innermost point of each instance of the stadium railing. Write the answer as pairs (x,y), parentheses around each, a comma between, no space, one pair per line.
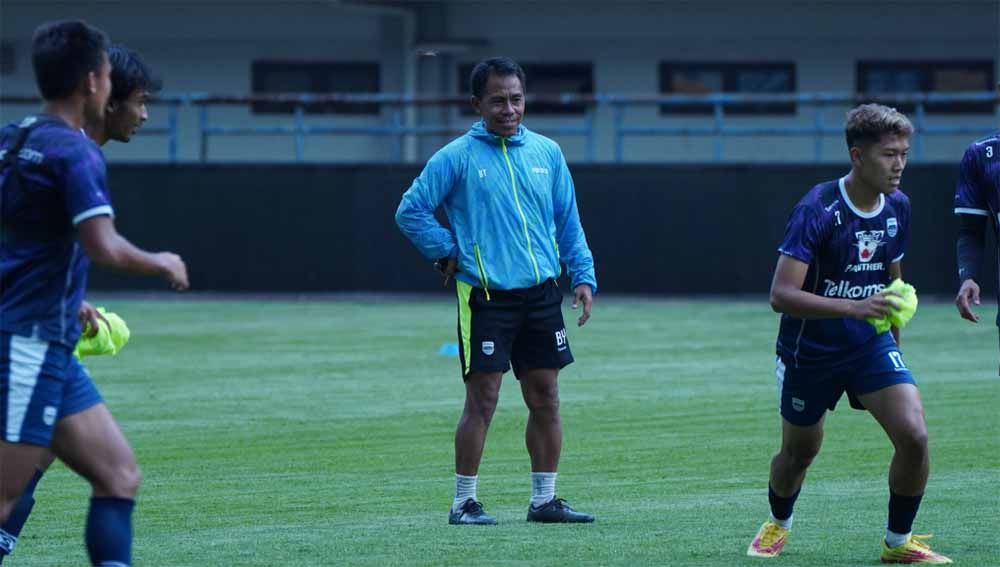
(394,121)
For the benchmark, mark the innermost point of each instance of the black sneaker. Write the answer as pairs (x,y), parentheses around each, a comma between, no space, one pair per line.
(557,511)
(471,512)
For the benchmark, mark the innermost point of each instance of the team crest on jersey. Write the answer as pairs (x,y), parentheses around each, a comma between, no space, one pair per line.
(868,242)
(892,227)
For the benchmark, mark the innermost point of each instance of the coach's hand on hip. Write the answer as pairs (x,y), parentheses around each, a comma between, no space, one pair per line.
(583,294)
(448,267)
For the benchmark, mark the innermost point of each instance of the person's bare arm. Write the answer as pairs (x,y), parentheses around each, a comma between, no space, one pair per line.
(106,247)
(788,297)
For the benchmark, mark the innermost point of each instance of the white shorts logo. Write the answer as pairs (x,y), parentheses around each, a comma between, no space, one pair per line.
(49,415)
(561,340)
(798,405)
(488,348)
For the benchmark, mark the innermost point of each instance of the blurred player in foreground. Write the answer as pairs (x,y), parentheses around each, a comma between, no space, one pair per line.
(132,84)
(56,216)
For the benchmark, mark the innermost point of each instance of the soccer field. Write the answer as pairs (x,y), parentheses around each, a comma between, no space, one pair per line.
(320,433)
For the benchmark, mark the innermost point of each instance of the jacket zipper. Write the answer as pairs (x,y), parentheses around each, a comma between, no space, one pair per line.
(524,220)
(558,255)
(482,271)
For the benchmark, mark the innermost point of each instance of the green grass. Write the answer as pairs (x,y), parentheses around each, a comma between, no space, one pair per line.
(285,433)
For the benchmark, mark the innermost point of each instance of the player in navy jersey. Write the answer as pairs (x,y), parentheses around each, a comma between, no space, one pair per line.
(977,202)
(56,216)
(132,83)
(842,247)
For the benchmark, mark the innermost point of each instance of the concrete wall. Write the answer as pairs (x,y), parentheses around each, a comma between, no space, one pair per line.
(208,46)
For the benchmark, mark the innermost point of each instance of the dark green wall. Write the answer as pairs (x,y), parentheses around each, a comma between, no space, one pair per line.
(653,229)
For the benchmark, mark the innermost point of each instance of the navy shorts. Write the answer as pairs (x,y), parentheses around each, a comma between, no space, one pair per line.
(519,327)
(806,393)
(40,383)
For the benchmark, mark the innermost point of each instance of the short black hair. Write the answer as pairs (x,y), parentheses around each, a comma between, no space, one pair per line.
(63,53)
(500,66)
(129,72)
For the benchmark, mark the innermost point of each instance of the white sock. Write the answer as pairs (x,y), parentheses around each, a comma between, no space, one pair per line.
(465,488)
(892,539)
(543,487)
(786,523)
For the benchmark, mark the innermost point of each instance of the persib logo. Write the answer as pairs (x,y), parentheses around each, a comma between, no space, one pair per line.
(868,243)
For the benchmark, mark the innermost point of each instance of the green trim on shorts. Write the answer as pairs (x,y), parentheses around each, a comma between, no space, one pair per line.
(464,291)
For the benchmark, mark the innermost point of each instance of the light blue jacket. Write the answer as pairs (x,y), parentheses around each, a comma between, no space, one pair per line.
(512,209)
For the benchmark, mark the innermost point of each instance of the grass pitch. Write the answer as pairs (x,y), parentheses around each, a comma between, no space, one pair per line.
(320,433)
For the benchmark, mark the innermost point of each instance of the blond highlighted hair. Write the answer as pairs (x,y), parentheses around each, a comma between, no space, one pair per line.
(867,123)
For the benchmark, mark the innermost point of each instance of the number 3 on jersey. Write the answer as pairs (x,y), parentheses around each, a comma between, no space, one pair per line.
(989,151)
(897,360)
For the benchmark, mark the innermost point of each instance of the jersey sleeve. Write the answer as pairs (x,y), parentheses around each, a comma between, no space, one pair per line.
(803,234)
(970,192)
(86,187)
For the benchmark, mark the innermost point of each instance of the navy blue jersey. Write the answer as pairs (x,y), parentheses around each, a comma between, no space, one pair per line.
(61,180)
(849,253)
(978,188)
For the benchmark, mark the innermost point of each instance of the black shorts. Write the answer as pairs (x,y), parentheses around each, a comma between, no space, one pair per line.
(523,327)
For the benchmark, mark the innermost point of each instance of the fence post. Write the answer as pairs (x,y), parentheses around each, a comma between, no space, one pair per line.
(203,127)
(619,116)
(719,117)
(172,131)
(588,125)
(300,140)
(919,142)
(818,142)
(397,133)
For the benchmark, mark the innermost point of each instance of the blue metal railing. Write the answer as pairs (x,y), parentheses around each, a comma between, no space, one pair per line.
(819,101)
(394,125)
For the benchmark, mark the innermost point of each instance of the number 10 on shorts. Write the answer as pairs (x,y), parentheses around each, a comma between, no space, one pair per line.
(897,360)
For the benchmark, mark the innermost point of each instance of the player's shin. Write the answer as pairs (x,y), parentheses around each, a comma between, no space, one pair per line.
(902,511)
(11,529)
(109,531)
(782,507)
